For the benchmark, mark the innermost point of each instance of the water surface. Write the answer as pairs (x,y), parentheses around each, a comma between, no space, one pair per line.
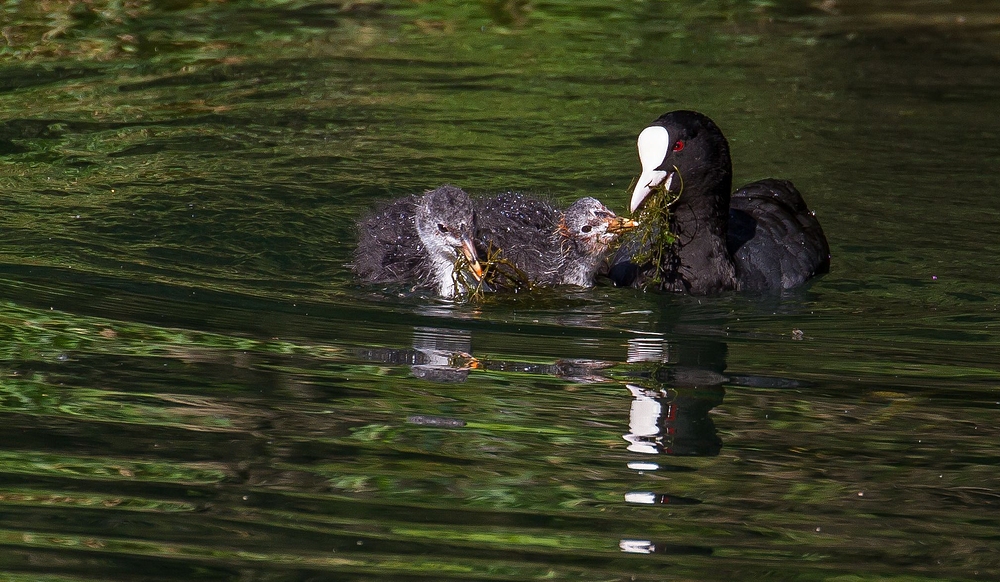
(194,388)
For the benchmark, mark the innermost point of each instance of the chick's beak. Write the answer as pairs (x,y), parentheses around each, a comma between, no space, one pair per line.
(469,250)
(618,224)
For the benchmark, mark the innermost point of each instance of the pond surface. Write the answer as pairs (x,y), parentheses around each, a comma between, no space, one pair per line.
(192,386)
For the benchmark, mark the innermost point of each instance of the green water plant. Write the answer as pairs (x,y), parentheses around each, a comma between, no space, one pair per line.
(498,272)
(656,240)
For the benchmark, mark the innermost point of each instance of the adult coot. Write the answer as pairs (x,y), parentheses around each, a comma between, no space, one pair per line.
(417,240)
(549,246)
(761,238)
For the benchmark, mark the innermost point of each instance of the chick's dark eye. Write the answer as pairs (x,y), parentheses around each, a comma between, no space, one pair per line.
(586,228)
(442,229)
(679,145)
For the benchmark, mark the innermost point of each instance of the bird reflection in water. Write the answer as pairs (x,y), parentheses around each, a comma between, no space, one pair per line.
(438,355)
(669,410)
(672,388)
(668,415)
(443,355)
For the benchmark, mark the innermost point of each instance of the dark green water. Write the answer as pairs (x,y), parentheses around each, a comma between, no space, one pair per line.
(193,388)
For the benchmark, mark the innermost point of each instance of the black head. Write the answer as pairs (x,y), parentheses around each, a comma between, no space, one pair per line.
(682,147)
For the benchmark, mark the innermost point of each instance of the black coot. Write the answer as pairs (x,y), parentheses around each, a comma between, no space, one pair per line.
(417,239)
(551,247)
(760,238)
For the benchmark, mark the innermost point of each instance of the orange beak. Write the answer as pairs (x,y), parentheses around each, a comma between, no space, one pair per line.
(619,224)
(469,250)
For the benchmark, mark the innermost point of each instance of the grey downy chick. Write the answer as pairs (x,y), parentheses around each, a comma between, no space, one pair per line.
(417,240)
(550,247)
(585,233)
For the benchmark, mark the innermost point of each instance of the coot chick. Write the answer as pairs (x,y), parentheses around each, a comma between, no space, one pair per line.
(550,247)
(585,233)
(761,238)
(416,240)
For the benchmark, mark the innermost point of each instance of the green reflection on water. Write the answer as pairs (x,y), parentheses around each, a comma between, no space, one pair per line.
(191,383)
(43,465)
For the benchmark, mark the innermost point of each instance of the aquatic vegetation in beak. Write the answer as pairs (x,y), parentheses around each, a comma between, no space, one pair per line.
(496,272)
(653,228)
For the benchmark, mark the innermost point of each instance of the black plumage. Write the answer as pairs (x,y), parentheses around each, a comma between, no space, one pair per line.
(760,238)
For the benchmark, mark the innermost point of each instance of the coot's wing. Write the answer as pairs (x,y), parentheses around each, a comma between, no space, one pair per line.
(522,227)
(774,239)
(389,249)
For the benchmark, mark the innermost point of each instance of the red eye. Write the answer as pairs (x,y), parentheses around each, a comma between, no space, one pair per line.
(678,146)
